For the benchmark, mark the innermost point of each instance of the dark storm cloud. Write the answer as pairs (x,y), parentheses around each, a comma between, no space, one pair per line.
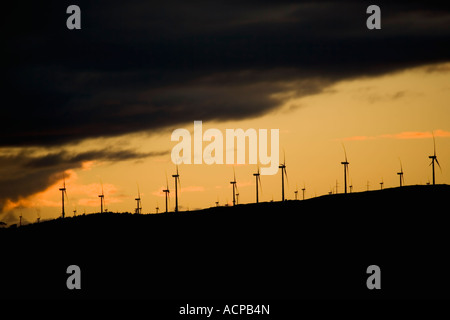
(143,66)
(26,172)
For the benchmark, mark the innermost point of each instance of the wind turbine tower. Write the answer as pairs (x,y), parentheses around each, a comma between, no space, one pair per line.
(345,163)
(177,180)
(233,183)
(167,191)
(434,159)
(258,181)
(102,199)
(63,192)
(138,209)
(402,181)
(303,191)
(283,173)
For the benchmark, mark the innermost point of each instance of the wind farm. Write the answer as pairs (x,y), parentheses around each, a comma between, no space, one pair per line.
(236,194)
(339,223)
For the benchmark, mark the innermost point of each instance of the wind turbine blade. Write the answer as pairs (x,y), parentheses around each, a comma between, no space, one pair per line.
(434,144)
(260,185)
(168,200)
(287,179)
(438,164)
(167,182)
(348,173)
(234,175)
(345,152)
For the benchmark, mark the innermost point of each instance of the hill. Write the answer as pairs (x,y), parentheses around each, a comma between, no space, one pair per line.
(317,248)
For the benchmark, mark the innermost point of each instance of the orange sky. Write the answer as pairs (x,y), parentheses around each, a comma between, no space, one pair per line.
(380,120)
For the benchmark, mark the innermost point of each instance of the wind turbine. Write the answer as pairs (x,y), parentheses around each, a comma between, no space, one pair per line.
(63,192)
(303,191)
(167,191)
(138,209)
(157,208)
(75,212)
(177,180)
(237,197)
(283,173)
(38,212)
(381,184)
(433,159)
(258,181)
(20,217)
(402,180)
(345,163)
(102,198)
(296,192)
(233,183)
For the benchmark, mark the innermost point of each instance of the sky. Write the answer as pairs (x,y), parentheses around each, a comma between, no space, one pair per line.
(96,107)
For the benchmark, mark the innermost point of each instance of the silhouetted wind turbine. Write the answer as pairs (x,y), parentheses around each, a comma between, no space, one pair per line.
(233,183)
(433,159)
(20,218)
(167,191)
(381,184)
(303,191)
(102,198)
(258,181)
(138,209)
(63,192)
(283,173)
(367,185)
(177,180)
(237,198)
(38,212)
(345,163)
(75,212)
(296,192)
(157,208)
(401,174)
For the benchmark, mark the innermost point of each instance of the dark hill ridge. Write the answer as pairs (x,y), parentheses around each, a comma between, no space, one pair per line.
(319,247)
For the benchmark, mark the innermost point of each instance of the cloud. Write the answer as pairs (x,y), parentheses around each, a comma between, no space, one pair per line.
(402,135)
(28,172)
(137,66)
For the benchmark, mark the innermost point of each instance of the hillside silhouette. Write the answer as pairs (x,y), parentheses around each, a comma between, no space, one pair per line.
(316,248)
